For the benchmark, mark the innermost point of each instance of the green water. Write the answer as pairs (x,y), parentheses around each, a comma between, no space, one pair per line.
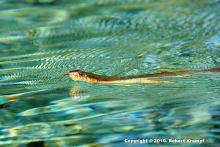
(41,41)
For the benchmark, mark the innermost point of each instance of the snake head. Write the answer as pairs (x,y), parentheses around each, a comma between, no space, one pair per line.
(76,74)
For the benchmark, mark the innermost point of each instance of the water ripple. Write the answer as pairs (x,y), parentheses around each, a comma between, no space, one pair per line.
(42,40)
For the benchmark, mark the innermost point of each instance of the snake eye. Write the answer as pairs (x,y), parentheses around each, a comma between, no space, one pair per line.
(66,74)
(76,71)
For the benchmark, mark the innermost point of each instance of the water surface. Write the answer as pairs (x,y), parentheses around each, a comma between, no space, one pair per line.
(41,41)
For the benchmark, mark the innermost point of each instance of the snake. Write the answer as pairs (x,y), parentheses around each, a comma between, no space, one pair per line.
(78,75)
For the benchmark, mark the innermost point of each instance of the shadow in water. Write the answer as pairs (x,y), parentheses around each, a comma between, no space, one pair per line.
(215,122)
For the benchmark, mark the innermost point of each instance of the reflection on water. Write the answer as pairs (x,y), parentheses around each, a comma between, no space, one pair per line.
(40,40)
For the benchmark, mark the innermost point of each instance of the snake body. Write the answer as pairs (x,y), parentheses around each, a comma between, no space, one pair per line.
(79,75)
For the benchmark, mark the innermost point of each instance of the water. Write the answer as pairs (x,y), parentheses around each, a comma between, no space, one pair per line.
(41,41)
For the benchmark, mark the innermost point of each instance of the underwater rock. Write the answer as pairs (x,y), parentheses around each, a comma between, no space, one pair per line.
(36,144)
